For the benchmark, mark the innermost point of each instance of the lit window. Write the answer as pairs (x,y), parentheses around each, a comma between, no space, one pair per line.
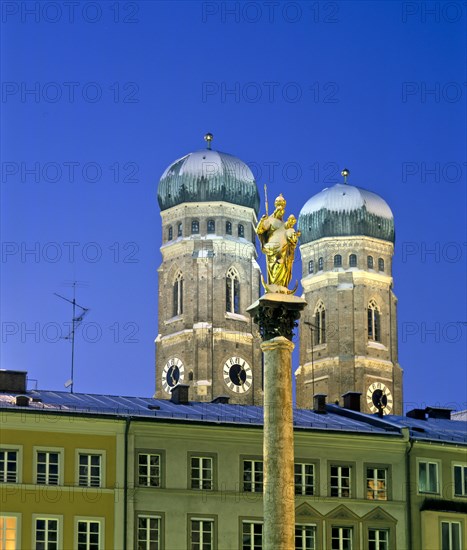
(228,228)
(374,322)
(378,539)
(253,476)
(232,291)
(47,468)
(8,532)
(451,535)
(178,295)
(201,473)
(201,534)
(320,264)
(252,535)
(428,477)
(460,481)
(149,470)
(370,262)
(46,534)
(319,323)
(304,479)
(341,538)
(170,233)
(180,230)
(305,537)
(376,483)
(353,260)
(8,466)
(311,265)
(241,230)
(195,227)
(211,226)
(340,481)
(89,535)
(337,260)
(89,470)
(149,533)
(380,264)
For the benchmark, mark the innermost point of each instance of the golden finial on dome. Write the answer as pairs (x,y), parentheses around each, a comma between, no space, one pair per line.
(345,172)
(208,138)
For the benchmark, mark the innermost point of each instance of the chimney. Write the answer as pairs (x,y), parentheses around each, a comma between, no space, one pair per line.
(179,394)
(319,403)
(352,400)
(439,412)
(221,399)
(418,414)
(13,381)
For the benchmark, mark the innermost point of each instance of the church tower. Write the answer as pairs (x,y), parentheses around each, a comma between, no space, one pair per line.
(207,279)
(348,336)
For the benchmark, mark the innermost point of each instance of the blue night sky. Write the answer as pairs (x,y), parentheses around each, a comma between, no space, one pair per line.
(98,101)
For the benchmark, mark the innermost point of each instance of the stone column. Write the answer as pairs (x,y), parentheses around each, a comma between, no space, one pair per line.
(276,315)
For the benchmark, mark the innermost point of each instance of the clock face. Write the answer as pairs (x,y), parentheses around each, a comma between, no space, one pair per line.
(378,395)
(238,375)
(173,373)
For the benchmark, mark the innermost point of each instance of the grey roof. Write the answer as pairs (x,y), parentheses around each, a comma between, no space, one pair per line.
(344,210)
(207,175)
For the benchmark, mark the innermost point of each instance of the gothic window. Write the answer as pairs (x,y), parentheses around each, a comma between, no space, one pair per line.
(370,262)
(320,264)
(211,226)
(337,260)
(374,322)
(170,233)
(228,228)
(319,323)
(178,295)
(380,264)
(353,260)
(241,230)
(232,291)
(310,266)
(195,227)
(180,230)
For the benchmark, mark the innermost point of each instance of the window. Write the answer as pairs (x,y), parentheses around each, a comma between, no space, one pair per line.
(304,479)
(211,226)
(47,468)
(337,260)
(232,291)
(374,322)
(8,466)
(340,482)
(194,227)
(148,533)
(8,532)
(311,266)
(241,230)
(380,264)
(201,534)
(90,470)
(178,295)
(253,476)
(89,535)
(428,477)
(319,323)
(46,534)
(201,473)
(180,230)
(305,537)
(376,483)
(149,470)
(460,481)
(228,228)
(353,260)
(252,535)
(320,264)
(378,539)
(170,232)
(341,538)
(370,262)
(450,535)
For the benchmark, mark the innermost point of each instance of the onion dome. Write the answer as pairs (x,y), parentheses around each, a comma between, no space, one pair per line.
(344,210)
(206,176)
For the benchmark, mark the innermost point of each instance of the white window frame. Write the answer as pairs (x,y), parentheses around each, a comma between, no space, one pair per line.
(19,461)
(377,540)
(17,517)
(375,480)
(148,542)
(341,538)
(340,477)
(253,472)
(201,468)
(148,466)
(59,520)
(463,467)
(303,527)
(102,467)
(89,519)
(450,523)
(251,523)
(203,520)
(303,475)
(438,474)
(61,459)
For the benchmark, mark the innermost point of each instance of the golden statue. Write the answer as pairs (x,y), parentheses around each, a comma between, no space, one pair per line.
(278,242)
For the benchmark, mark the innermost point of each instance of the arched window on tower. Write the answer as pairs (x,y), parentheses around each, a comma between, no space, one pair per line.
(232,291)
(180,230)
(194,227)
(211,226)
(170,234)
(241,230)
(178,294)
(337,260)
(370,262)
(319,328)
(353,260)
(380,264)
(228,228)
(374,322)
(311,267)
(320,264)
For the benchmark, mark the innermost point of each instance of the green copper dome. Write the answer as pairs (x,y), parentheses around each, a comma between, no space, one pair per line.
(344,210)
(206,176)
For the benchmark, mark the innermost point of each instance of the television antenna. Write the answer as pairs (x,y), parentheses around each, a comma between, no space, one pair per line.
(76,320)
